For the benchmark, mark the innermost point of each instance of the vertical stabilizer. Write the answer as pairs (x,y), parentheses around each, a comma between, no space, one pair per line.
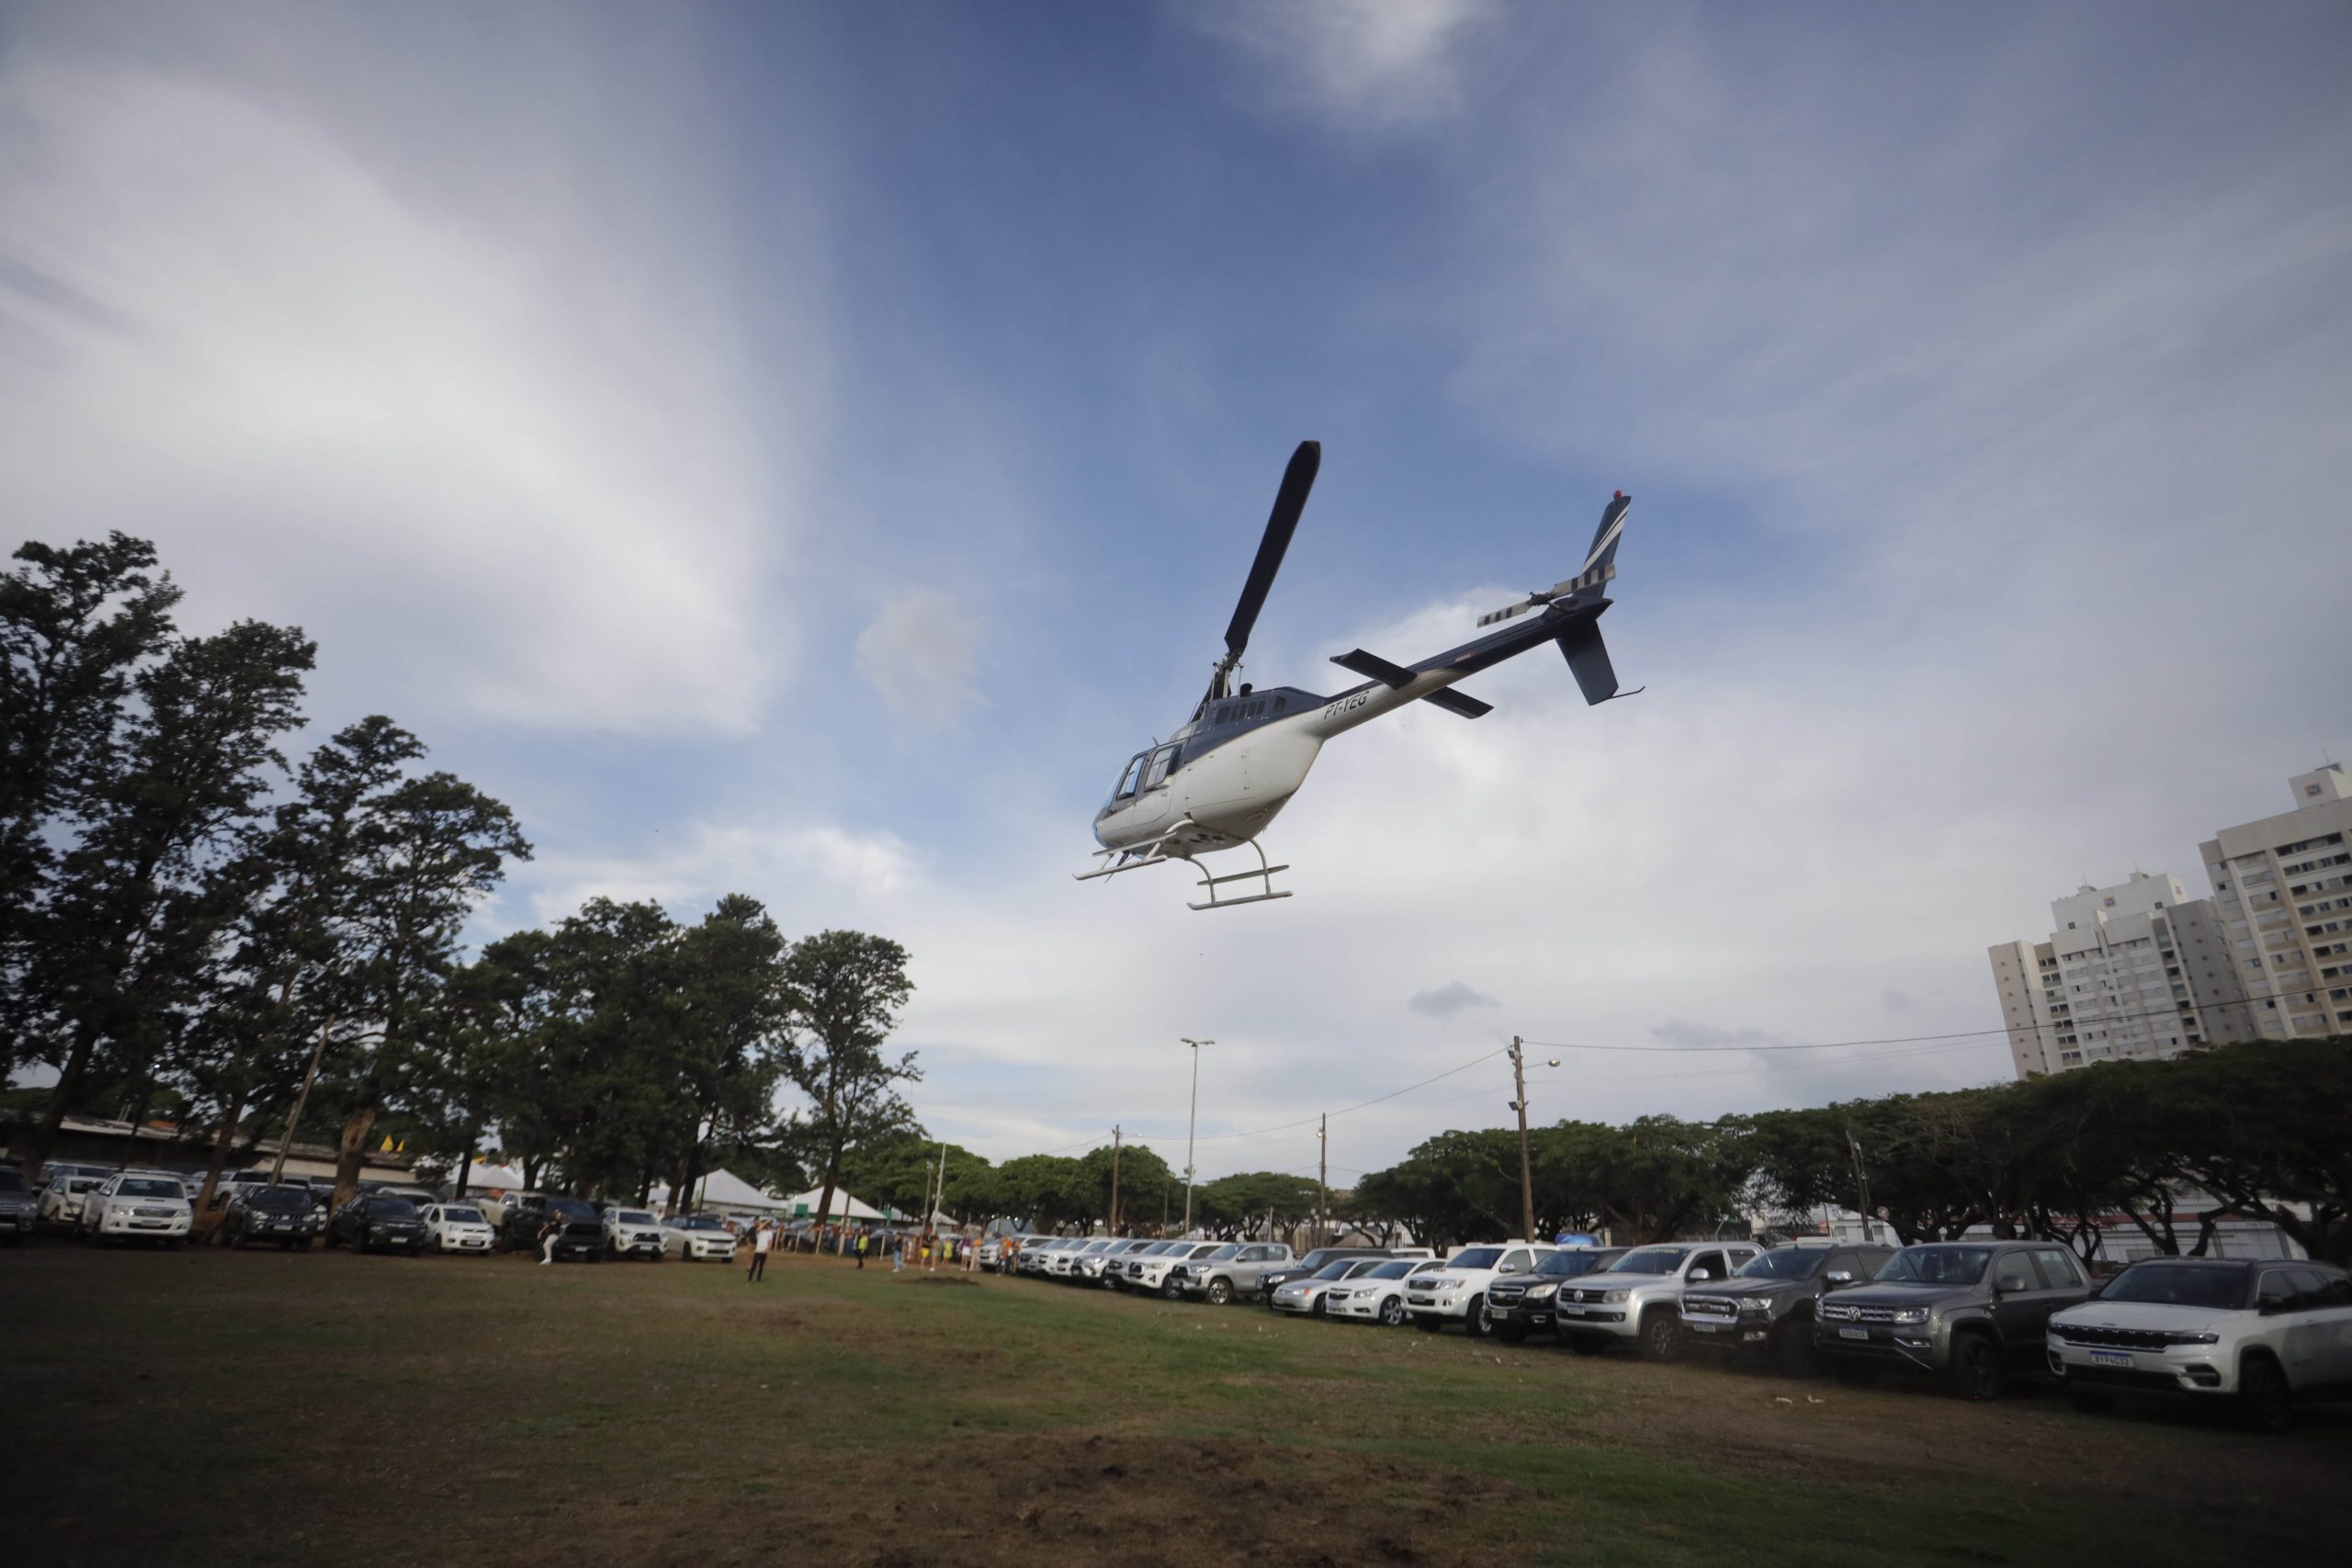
(1588,659)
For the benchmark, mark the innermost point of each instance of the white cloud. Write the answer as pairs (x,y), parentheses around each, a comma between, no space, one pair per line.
(919,652)
(818,874)
(464,447)
(1358,63)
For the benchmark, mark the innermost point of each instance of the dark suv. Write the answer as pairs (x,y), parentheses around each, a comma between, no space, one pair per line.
(1974,1312)
(1767,1308)
(282,1216)
(1308,1265)
(19,1205)
(582,1235)
(1521,1304)
(373,1223)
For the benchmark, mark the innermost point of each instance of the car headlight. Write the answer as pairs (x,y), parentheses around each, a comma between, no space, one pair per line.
(1909,1314)
(1756,1304)
(1614,1296)
(2197,1339)
(1542,1292)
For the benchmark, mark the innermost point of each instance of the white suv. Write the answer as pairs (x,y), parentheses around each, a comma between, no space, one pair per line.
(632,1232)
(455,1227)
(694,1238)
(1458,1290)
(2263,1332)
(137,1206)
(1639,1302)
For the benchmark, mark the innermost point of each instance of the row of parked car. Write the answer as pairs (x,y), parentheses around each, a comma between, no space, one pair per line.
(247,1209)
(2259,1335)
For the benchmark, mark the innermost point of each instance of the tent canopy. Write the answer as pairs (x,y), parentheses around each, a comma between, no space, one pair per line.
(804,1205)
(723,1190)
(489,1175)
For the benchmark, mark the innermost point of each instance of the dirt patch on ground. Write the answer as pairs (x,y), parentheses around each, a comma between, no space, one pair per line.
(1077,1500)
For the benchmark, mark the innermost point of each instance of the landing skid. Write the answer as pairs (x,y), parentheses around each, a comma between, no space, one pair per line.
(1264,875)
(1160,850)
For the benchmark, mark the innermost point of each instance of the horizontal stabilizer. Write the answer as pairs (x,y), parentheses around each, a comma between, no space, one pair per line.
(1455,702)
(1589,661)
(1372,665)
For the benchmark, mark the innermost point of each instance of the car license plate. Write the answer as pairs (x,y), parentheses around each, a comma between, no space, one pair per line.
(1853,1334)
(2110,1358)
(1708,1327)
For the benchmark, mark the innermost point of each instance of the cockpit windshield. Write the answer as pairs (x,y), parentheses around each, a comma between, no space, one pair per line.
(1127,779)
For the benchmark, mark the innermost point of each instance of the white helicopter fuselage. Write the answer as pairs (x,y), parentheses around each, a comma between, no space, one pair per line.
(1232,790)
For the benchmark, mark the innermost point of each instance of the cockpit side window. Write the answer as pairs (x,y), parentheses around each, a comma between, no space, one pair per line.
(1162,760)
(1135,772)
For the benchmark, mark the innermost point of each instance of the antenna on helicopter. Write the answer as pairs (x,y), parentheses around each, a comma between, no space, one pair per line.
(1281,524)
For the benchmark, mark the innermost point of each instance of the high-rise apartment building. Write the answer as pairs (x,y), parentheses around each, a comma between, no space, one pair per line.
(2283,889)
(2136,971)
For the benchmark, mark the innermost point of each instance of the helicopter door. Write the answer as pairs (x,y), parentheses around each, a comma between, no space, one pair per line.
(1152,800)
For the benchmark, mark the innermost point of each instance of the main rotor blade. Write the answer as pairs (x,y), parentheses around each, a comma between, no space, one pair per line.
(1289,501)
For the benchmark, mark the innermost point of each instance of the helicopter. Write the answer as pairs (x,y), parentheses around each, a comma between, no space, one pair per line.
(1216,783)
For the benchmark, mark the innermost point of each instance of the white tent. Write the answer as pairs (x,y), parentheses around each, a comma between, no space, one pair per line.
(488,1176)
(804,1206)
(725,1190)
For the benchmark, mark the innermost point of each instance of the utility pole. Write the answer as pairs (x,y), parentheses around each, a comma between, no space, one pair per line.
(1113,1227)
(1861,1183)
(1191,1128)
(1322,1177)
(1526,1168)
(294,1117)
(938,1193)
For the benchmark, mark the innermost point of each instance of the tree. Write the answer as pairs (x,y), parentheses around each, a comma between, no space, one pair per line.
(1047,1190)
(130,936)
(843,993)
(730,1034)
(426,852)
(75,625)
(1230,1205)
(2262,1127)
(1143,1175)
(302,873)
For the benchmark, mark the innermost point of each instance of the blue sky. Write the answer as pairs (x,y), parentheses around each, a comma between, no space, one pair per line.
(804,450)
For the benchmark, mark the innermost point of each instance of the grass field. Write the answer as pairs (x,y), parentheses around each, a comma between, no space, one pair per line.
(255,1408)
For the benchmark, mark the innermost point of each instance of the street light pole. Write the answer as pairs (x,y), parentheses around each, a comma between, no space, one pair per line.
(1192,1127)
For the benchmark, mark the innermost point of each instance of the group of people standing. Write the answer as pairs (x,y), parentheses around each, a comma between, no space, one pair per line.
(928,1250)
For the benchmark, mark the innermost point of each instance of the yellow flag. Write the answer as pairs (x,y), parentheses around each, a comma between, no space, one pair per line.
(404,1145)
(388,1143)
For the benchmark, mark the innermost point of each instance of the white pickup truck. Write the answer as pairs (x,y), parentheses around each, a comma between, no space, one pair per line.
(1458,1291)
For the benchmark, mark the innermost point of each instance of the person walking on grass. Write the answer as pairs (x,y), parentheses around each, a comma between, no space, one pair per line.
(762,1238)
(897,1255)
(861,1249)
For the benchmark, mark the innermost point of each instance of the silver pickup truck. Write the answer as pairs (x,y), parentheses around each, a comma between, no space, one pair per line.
(1639,1303)
(1229,1271)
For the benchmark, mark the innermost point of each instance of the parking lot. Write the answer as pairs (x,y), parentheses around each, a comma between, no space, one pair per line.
(214,1408)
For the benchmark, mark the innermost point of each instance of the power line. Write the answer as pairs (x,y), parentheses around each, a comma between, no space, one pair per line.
(1931,1044)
